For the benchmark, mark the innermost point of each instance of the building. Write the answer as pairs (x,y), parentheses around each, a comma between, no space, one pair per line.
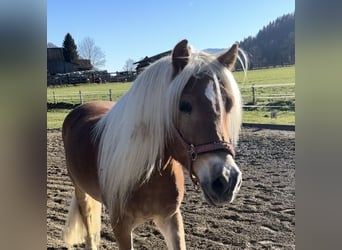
(142,64)
(57,65)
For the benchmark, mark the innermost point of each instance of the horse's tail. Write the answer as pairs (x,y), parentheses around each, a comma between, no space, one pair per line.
(84,221)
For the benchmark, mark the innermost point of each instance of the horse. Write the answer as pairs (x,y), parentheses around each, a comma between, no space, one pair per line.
(182,115)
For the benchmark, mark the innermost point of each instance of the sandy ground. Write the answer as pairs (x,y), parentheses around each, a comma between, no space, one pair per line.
(261,217)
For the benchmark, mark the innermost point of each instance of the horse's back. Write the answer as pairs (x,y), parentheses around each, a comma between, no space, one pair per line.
(81,147)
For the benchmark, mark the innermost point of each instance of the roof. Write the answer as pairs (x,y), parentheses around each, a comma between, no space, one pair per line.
(151,59)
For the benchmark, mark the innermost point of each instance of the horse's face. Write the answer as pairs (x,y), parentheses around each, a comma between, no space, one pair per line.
(203,119)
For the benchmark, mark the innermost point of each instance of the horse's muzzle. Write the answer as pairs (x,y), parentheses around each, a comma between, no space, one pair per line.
(223,186)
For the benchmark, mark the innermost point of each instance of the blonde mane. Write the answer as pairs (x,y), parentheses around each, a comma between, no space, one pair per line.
(134,132)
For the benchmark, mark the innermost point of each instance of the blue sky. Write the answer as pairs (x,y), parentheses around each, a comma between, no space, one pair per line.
(133,29)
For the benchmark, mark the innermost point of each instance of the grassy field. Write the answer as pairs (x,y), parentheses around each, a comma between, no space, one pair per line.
(70,94)
(266,76)
(88,87)
(90,92)
(56,117)
(264,117)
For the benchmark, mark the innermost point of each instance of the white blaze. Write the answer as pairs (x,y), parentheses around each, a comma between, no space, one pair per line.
(210,92)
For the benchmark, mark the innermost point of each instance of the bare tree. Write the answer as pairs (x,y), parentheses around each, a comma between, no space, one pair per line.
(129,66)
(88,50)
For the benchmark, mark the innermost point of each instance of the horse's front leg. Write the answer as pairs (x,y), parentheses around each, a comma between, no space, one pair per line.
(123,233)
(173,230)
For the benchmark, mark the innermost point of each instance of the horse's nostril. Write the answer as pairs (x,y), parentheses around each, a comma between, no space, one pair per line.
(233,181)
(219,185)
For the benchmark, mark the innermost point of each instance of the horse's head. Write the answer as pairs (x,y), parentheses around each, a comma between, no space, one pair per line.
(208,121)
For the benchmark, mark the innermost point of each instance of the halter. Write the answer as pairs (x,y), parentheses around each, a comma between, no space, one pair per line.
(194,150)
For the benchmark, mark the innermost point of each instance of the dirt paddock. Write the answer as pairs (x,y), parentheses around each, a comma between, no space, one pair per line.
(261,217)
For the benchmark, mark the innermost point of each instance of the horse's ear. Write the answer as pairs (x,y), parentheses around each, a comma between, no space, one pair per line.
(229,58)
(180,56)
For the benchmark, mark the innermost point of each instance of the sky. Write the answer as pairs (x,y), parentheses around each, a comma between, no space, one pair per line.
(133,29)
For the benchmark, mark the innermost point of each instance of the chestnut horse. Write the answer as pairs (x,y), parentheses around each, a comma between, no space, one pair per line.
(182,112)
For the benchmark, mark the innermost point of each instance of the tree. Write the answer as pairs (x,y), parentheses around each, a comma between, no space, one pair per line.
(88,50)
(69,49)
(129,66)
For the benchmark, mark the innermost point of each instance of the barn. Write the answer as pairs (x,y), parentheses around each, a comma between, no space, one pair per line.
(57,65)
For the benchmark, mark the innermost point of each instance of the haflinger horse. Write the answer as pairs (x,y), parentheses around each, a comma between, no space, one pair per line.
(183,112)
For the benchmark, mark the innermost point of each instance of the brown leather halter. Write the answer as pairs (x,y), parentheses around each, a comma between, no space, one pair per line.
(192,151)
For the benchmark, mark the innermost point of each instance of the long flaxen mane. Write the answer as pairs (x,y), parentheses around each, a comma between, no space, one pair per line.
(133,134)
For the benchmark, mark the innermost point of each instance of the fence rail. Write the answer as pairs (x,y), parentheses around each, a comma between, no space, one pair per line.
(263,94)
(268,85)
(254,96)
(81,97)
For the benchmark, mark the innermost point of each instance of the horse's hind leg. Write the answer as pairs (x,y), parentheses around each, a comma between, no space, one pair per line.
(173,230)
(90,210)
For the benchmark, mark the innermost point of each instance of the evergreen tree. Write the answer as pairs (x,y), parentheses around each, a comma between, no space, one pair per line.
(69,49)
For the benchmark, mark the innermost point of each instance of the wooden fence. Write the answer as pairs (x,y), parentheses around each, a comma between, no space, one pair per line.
(81,97)
(270,96)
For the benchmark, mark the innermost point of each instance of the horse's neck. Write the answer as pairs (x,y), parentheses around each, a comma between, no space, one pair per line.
(173,168)
(178,153)
(172,171)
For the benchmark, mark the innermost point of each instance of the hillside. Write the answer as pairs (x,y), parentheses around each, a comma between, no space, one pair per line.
(273,45)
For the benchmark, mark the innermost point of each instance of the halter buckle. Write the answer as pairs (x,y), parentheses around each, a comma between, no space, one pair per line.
(192,152)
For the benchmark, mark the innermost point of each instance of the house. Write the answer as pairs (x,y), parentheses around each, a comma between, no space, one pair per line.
(142,64)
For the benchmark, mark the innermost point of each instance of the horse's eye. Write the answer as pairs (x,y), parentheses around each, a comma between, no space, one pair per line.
(185,107)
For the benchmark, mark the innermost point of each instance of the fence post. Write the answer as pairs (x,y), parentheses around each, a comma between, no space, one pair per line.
(81,97)
(54,97)
(253,94)
(110,95)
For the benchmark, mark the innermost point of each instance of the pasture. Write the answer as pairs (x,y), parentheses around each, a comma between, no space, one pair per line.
(66,97)
(266,76)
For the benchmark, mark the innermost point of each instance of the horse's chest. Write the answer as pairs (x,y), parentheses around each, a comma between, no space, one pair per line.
(161,195)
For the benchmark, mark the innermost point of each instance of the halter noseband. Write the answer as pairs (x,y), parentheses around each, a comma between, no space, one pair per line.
(194,150)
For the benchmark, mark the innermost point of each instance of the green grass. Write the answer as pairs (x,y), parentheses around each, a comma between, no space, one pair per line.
(266,76)
(70,94)
(282,117)
(55,117)
(89,87)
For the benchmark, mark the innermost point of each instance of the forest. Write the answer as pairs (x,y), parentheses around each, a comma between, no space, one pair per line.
(274,44)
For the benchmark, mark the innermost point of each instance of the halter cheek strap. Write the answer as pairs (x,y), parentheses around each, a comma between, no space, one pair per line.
(192,151)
